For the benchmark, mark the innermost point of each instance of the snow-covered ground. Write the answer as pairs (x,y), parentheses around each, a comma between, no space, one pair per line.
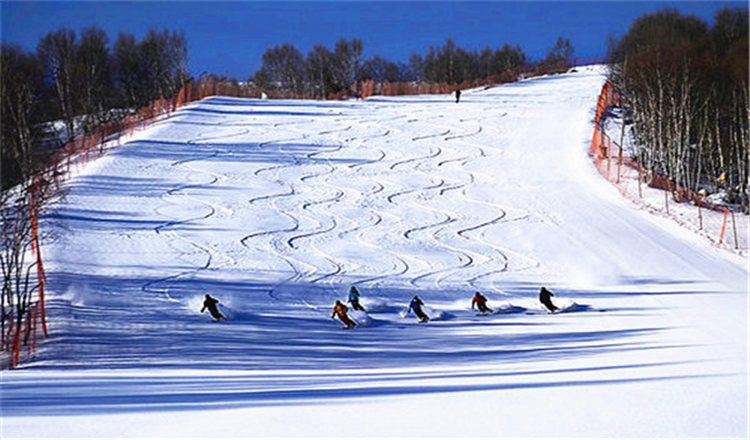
(278,207)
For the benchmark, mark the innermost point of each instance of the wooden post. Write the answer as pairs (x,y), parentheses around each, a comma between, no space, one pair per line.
(622,141)
(723,226)
(700,214)
(734,227)
(640,180)
(605,147)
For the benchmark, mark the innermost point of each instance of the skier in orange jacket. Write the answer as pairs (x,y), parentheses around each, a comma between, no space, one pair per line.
(340,310)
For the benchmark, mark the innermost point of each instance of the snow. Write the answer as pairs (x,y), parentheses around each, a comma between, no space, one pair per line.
(276,208)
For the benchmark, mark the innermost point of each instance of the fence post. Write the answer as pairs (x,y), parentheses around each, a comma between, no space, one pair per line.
(734,227)
(16,355)
(609,156)
(33,327)
(700,213)
(640,180)
(723,226)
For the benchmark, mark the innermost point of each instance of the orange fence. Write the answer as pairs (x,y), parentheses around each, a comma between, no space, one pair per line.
(372,88)
(716,222)
(49,179)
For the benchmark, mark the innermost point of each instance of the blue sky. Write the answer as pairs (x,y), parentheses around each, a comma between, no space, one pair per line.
(230,37)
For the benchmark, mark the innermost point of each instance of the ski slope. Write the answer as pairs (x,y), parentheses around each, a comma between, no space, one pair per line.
(276,208)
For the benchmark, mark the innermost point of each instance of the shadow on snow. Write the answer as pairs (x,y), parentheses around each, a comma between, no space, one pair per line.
(117,323)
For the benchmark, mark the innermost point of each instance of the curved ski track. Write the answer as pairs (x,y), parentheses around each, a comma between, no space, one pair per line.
(172,227)
(392,200)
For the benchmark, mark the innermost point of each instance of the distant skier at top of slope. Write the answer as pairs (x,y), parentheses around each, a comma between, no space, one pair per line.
(354,299)
(211,304)
(481,302)
(416,305)
(545,297)
(458,95)
(340,310)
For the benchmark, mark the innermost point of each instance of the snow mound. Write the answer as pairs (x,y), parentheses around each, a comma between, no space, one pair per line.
(437,315)
(567,305)
(361,318)
(507,309)
(76,295)
(376,305)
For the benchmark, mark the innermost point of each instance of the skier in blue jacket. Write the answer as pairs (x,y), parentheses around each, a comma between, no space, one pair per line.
(354,299)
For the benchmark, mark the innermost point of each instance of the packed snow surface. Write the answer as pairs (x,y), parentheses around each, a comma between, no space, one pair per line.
(276,208)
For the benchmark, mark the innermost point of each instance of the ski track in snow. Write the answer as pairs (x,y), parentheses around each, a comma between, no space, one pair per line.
(169,226)
(278,207)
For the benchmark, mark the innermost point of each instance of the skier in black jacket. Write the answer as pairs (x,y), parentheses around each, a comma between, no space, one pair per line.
(416,305)
(211,303)
(545,297)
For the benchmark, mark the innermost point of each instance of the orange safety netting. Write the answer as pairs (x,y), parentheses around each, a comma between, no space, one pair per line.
(75,154)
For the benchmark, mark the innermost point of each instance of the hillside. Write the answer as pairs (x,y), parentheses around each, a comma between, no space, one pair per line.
(276,208)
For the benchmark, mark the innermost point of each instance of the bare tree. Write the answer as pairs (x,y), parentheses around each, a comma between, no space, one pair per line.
(18,285)
(320,74)
(416,64)
(57,52)
(561,54)
(94,70)
(20,85)
(129,71)
(19,91)
(178,54)
(348,58)
(283,68)
(153,52)
(686,86)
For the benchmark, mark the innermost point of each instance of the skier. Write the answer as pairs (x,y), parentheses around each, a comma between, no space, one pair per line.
(340,310)
(416,305)
(458,95)
(354,299)
(481,303)
(211,304)
(545,297)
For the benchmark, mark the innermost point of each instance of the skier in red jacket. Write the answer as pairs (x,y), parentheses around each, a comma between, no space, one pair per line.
(481,302)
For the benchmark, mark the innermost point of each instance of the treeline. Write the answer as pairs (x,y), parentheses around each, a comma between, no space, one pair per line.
(325,73)
(686,87)
(83,82)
